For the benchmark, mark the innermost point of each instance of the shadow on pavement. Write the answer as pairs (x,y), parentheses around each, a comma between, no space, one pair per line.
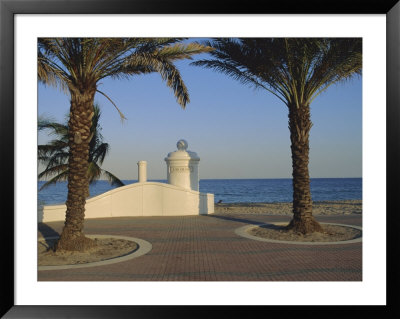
(47,231)
(238,220)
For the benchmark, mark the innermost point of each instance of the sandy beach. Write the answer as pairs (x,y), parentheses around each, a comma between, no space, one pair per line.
(343,207)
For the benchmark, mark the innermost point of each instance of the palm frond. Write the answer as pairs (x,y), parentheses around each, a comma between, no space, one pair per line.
(122,116)
(245,66)
(60,171)
(181,51)
(76,63)
(342,60)
(113,180)
(50,70)
(149,63)
(94,172)
(54,127)
(99,153)
(295,70)
(58,150)
(56,159)
(55,154)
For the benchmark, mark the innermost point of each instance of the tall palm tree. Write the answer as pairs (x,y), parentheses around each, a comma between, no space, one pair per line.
(55,153)
(77,65)
(296,70)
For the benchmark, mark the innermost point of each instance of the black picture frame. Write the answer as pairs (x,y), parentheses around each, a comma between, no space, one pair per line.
(8,10)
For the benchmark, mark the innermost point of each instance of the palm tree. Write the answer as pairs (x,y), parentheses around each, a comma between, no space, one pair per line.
(296,70)
(77,65)
(55,153)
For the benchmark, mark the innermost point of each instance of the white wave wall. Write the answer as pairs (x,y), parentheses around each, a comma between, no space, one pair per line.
(139,199)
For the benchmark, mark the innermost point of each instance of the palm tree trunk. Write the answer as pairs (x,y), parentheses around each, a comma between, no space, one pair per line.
(300,125)
(72,237)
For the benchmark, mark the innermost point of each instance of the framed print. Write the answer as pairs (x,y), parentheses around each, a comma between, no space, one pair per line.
(368,279)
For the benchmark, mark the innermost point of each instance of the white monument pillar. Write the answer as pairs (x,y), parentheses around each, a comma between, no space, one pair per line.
(142,171)
(183,167)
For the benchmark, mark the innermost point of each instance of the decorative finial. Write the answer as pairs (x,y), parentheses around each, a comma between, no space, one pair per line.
(182,145)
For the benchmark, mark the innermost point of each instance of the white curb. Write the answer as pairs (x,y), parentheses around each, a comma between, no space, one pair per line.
(144,248)
(242,231)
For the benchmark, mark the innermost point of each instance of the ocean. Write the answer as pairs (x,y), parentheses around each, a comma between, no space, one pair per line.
(234,190)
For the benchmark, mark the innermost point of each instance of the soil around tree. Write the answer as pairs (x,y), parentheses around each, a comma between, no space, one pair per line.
(330,233)
(105,249)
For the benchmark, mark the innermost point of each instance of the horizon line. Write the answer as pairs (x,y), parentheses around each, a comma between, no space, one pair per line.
(241,178)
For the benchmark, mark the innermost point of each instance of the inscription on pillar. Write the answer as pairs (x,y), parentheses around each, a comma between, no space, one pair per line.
(180,169)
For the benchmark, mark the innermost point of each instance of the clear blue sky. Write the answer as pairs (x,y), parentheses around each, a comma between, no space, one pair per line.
(237,131)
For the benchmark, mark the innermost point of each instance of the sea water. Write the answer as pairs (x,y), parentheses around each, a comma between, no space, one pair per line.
(234,190)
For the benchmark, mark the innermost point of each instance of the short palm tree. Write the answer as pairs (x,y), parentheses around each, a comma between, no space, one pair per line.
(296,70)
(55,153)
(77,65)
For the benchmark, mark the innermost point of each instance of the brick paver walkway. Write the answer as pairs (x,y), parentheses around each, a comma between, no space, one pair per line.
(206,248)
